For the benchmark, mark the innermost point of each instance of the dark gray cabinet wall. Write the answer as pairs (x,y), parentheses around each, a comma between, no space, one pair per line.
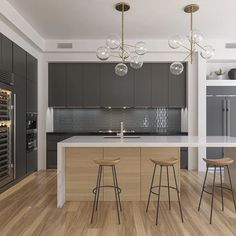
(32,86)
(19,61)
(160,84)
(57,85)
(74,85)
(6,54)
(143,86)
(52,140)
(91,85)
(116,91)
(177,90)
(96,85)
(20,91)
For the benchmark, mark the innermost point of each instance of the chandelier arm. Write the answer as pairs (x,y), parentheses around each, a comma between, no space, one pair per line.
(129,45)
(185,47)
(187,57)
(200,46)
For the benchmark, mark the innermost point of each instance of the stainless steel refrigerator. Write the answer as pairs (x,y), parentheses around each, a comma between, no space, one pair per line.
(221,116)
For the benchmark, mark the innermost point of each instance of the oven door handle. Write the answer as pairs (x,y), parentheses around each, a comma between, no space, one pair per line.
(14,134)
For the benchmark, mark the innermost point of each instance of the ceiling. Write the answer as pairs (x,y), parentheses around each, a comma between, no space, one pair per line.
(152,19)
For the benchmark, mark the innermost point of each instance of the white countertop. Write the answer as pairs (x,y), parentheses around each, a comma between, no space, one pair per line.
(149,141)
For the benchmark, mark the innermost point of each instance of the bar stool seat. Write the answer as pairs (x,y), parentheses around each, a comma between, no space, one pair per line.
(219,162)
(103,162)
(117,190)
(165,161)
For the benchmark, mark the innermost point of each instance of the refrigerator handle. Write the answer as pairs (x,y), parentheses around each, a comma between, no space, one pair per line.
(224,118)
(14,135)
(228,116)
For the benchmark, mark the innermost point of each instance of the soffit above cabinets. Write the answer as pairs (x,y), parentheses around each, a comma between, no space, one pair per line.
(59,19)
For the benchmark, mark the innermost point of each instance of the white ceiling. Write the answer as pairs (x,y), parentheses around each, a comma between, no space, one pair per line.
(96,19)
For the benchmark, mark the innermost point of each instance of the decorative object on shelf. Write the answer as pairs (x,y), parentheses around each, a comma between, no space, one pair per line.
(120,49)
(194,39)
(210,76)
(232,73)
(220,74)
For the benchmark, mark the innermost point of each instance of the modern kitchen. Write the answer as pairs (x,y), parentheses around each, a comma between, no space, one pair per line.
(117,118)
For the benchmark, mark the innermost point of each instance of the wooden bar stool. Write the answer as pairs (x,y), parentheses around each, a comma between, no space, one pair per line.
(107,163)
(165,162)
(217,163)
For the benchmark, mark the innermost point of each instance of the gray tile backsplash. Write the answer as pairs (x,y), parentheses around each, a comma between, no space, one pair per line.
(140,120)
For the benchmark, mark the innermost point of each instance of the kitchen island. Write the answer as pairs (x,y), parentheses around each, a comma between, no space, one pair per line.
(77,172)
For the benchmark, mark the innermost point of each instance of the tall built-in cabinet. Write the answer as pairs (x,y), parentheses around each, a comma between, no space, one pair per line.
(18,73)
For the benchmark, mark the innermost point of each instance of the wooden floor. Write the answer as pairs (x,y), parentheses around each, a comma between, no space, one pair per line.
(29,208)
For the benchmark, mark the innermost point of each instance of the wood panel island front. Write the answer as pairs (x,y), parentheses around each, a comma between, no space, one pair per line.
(77,173)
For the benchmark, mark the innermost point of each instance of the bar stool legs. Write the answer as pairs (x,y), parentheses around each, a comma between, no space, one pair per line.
(96,191)
(159,190)
(214,185)
(231,187)
(177,192)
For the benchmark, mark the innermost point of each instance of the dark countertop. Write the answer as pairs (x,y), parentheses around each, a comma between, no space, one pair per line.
(104,134)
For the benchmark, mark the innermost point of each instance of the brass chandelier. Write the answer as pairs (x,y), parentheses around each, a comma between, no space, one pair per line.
(116,47)
(192,41)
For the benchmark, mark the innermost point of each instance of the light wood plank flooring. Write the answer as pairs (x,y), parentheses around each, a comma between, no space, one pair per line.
(29,208)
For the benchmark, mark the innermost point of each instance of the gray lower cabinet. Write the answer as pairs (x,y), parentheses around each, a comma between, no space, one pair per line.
(116,91)
(91,85)
(57,85)
(74,85)
(177,89)
(160,84)
(31,165)
(52,140)
(143,86)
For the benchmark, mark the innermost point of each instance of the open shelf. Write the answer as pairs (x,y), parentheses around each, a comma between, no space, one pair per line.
(225,82)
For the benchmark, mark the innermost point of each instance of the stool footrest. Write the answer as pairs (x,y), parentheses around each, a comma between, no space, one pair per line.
(217,186)
(162,186)
(106,186)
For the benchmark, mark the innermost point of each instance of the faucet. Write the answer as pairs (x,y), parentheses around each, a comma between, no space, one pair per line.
(121,134)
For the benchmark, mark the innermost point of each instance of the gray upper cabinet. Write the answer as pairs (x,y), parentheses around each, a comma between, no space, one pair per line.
(57,84)
(91,85)
(116,91)
(19,61)
(160,84)
(177,89)
(74,81)
(143,86)
(6,54)
(32,68)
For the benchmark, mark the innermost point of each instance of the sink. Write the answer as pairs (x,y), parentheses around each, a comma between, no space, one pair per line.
(118,137)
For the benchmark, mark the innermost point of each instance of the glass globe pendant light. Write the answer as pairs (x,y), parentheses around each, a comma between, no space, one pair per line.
(194,39)
(116,47)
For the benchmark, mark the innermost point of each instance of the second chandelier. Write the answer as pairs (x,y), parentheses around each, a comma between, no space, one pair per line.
(116,47)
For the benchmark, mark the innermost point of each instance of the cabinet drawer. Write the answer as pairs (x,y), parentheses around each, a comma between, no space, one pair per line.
(51,159)
(52,141)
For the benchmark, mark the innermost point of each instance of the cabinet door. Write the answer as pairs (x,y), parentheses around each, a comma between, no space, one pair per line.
(6,60)
(20,106)
(19,61)
(116,91)
(74,84)
(32,101)
(177,89)
(31,161)
(91,85)
(143,86)
(57,85)
(32,69)
(160,90)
